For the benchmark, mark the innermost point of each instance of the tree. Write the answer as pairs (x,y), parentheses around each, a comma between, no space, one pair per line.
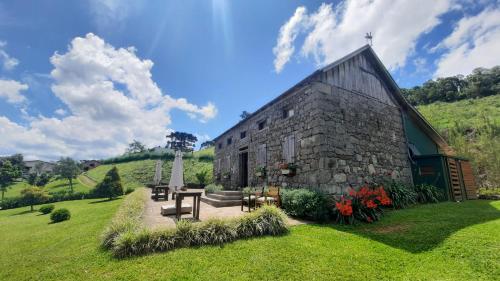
(32,179)
(43,179)
(245,114)
(67,168)
(181,141)
(111,185)
(8,173)
(207,144)
(34,196)
(136,147)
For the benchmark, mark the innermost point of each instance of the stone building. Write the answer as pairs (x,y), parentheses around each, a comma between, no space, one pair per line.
(339,126)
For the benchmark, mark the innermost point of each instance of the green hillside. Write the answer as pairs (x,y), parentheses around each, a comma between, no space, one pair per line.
(472,128)
(54,186)
(139,173)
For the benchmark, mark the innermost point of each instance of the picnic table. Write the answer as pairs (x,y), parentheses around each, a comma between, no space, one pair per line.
(180,195)
(157,190)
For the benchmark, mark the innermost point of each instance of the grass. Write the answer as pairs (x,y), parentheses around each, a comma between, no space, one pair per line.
(445,241)
(55,185)
(472,129)
(138,173)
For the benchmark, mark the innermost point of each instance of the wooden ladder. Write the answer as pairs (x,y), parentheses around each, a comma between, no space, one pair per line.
(456,187)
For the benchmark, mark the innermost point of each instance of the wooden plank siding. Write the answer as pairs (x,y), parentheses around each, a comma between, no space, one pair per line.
(359,76)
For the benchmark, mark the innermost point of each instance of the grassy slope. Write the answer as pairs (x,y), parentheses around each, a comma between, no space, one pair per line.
(472,128)
(470,113)
(446,241)
(54,185)
(138,173)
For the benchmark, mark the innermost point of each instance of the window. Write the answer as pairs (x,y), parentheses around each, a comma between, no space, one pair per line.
(289,149)
(243,134)
(220,145)
(229,141)
(289,112)
(262,124)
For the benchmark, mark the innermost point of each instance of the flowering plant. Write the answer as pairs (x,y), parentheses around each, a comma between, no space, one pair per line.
(367,202)
(344,209)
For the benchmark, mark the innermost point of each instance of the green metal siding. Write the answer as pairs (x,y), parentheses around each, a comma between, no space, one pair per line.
(418,138)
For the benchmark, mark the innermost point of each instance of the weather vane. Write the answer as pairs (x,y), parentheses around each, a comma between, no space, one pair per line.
(369,38)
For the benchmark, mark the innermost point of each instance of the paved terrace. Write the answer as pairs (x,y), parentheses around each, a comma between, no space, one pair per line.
(154,219)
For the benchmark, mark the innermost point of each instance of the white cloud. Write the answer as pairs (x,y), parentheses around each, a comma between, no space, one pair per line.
(112,100)
(11,91)
(474,42)
(288,32)
(8,62)
(60,111)
(112,13)
(331,32)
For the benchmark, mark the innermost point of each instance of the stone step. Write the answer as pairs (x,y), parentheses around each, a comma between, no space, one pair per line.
(229,192)
(220,203)
(224,197)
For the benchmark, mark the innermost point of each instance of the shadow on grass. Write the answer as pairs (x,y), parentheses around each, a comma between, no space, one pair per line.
(104,200)
(422,228)
(23,213)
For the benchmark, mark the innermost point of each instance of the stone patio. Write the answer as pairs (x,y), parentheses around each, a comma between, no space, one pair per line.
(153,218)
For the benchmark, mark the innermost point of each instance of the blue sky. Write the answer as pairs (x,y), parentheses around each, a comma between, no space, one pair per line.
(84,78)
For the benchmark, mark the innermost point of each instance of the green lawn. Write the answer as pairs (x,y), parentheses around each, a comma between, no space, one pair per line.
(446,241)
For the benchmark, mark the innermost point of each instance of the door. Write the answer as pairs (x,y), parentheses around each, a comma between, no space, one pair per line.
(243,169)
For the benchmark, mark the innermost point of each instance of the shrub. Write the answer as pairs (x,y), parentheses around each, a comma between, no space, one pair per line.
(305,203)
(46,209)
(60,215)
(489,193)
(426,193)
(267,220)
(401,195)
(202,177)
(127,218)
(129,190)
(111,185)
(363,205)
(64,195)
(211,188)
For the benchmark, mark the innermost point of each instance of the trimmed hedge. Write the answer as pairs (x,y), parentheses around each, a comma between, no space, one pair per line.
(46,209)
(60,215)
(127,237)
(17,202)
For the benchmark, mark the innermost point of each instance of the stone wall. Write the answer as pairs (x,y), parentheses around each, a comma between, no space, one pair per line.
(341,138)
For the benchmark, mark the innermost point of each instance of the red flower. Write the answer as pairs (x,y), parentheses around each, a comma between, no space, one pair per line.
(370,204)
(369,219)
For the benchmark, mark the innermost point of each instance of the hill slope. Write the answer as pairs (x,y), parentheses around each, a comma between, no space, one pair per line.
(139,173)
(472,128)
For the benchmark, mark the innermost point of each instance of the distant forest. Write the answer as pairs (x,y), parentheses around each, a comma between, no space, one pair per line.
(482,82)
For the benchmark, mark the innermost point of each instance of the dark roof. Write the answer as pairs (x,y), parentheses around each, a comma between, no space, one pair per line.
(386,76)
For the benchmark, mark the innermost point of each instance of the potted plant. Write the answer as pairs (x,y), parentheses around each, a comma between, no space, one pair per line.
(260,172)
(288,169)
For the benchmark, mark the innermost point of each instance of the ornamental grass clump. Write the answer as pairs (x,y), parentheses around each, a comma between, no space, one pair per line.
(402,196)
(267,220)
(127,219)
(426,193)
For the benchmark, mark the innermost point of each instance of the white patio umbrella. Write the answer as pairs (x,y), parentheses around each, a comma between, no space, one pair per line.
(157,177)
(177,176)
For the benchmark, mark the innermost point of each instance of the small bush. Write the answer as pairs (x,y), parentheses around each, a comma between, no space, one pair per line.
(111,185)
(426,193)
(129,190)
(60,215)
(401,195)
(46,209)
(202,177)
(211,188)
(305,203)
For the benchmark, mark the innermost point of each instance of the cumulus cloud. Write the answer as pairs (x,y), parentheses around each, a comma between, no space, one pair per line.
(288,32)
(8,62)
(11,91)
(474,42)
(332,31)
(111,100)
(60,111)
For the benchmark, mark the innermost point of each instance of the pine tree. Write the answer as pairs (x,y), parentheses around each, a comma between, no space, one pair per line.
(111,185)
